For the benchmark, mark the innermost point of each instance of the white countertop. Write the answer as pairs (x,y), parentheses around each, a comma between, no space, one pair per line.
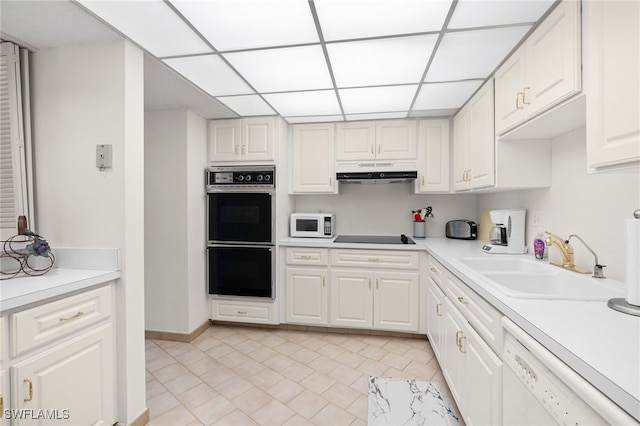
(600,344)
(74,270)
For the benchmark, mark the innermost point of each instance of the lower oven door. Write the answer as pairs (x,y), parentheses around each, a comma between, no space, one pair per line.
(241,270)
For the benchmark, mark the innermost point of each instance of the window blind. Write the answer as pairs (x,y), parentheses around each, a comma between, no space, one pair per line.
(13,179)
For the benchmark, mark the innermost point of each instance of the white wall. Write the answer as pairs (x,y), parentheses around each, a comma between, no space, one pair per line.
(385,209)
(83,96)
(175,240)
(592,206)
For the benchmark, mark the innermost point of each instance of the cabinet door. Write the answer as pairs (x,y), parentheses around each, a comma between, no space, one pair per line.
(435,323)
(4,397)
(433,141)
(306,295)
(460,150)
(396,140)
(351,299)
(224,140)
(356,141)
(553,59)
(453,365)
(395,301)
(258,139)
(613,86)
(483,381)
(481,138)
(76,376)
(509,81)
(313,158)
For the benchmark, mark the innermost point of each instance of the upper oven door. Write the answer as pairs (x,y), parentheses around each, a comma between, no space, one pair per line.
(241,217)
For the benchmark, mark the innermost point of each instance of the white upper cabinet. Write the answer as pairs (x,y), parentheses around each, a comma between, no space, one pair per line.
(612,66)
(313,158)
(543,72)
(356,140)
(433,156)
(396,140)
(474,142)
(376,140)
(247,139)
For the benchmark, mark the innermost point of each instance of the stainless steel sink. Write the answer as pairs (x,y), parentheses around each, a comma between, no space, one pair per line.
(527,278)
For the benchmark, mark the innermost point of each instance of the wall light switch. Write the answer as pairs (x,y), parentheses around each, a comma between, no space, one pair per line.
(103,156)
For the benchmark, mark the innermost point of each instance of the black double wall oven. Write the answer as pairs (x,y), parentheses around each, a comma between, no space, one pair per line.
(240,247)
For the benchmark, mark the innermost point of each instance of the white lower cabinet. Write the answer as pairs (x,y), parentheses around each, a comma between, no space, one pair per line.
(379,300)
(72,383)
(61,366)
(469,364)
(306,295)
(435,317)
(4,396)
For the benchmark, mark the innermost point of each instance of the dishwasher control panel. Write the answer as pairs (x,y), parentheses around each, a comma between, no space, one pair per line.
(556,397)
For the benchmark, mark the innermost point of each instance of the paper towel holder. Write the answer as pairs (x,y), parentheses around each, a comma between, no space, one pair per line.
(620,304)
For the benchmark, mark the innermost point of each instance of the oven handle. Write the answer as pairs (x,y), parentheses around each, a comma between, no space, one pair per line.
(259,246)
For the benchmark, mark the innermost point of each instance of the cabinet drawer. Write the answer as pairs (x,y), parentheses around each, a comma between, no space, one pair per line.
(390,259)
(307,256)
(240,311)
(436,271)
(51,321)
(483,317)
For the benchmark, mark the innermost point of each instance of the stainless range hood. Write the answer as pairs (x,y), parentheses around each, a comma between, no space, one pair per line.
(376,172)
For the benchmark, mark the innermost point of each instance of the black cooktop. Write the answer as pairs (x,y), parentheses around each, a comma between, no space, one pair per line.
(374,239)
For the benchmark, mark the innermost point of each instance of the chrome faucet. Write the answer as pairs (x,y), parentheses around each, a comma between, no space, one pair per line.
(597,268)
(566,250)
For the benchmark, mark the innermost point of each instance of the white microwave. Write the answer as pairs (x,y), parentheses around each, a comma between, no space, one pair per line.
(312,225)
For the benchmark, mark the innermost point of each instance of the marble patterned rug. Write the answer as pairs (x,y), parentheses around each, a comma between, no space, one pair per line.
(409,402)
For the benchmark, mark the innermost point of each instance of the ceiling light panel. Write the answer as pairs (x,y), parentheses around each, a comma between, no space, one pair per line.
(284,69)
(376,116)
(482,13)
(445,95)
(348,19)
(377,99)
(321,102)
(211,74)
(247,105)
(233,24)
(151,24)
(473,54)
(314,119)
(387,61)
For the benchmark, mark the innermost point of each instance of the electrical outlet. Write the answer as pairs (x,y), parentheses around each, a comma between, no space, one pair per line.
(103,156)
(536,218)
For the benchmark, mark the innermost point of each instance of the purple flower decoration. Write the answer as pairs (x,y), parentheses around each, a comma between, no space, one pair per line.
(39,247)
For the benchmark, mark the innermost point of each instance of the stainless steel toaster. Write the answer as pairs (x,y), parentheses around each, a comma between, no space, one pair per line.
(461,229)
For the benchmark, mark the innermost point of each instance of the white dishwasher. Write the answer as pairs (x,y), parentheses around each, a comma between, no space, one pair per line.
(539,389)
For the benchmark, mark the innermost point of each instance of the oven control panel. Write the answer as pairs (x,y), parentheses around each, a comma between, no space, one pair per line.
(240,176)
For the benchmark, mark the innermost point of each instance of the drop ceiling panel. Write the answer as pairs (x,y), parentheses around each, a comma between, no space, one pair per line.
(349,19)
(473,54)
(387,61)
(211,74)
(151,24)
(321,102)
(434,96)
(475,13)
(283,69)
(247,105)
(233,24)
(377,99)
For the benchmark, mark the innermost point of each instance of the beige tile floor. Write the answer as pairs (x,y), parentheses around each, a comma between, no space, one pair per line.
(238,375)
